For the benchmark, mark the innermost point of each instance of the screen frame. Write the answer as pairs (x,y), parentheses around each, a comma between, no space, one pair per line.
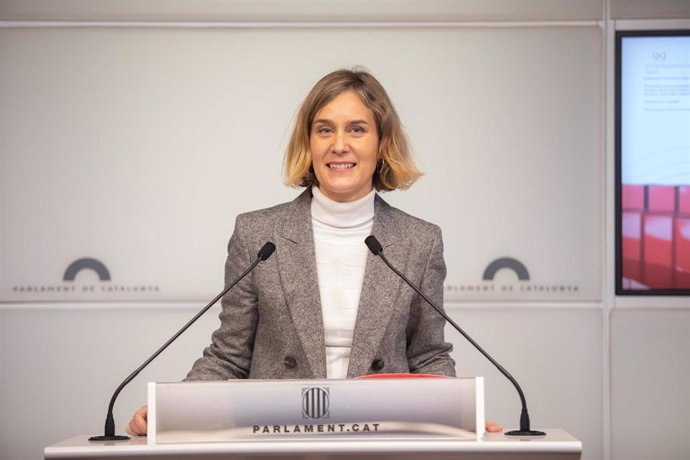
(620,35)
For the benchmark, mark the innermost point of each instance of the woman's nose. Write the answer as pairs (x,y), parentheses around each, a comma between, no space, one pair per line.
(340,144)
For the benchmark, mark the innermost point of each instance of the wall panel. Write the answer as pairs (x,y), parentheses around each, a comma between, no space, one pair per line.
(60,366)
(650,402)
(301,10)
(139,146)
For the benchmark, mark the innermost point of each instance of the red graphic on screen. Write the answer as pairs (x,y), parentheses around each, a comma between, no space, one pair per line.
(656,237)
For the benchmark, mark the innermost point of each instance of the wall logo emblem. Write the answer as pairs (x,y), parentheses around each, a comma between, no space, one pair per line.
(509,263)
(86,263)
(518,284)
(75,286)
(315,403)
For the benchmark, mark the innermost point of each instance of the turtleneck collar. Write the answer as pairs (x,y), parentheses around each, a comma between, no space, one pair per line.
(342,215)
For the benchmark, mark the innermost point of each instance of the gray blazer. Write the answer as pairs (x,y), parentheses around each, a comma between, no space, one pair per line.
(271,323)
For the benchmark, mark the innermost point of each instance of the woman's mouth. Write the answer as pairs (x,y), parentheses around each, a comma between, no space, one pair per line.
(341,165)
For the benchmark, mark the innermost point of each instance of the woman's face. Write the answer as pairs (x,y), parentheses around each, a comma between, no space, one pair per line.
(344,145)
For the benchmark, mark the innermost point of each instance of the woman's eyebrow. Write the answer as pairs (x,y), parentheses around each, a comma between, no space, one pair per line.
(351,122)
(322,120)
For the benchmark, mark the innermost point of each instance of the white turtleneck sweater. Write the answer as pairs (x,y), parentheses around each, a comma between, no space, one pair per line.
(341,256)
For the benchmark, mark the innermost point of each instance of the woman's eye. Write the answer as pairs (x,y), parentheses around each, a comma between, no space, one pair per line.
(324,130)
(357,130)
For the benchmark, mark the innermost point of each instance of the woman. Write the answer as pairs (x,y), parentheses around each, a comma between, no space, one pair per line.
(323,306)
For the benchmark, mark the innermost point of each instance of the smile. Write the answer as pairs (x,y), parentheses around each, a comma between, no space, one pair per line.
(341,165)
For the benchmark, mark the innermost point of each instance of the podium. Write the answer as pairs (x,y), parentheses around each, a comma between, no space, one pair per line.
(355,408)
(439,418)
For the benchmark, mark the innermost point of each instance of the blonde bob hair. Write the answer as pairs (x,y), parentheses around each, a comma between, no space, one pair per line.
(395,168)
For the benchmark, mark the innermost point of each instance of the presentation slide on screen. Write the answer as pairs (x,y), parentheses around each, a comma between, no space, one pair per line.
(655,83)
(655,162)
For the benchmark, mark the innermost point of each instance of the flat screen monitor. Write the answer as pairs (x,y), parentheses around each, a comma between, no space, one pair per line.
(653,162)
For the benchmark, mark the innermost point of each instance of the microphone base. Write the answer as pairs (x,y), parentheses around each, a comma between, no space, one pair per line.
(115,437)
(525,433)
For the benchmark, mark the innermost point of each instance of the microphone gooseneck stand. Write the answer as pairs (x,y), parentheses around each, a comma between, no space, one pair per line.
(264,253)
(376,248)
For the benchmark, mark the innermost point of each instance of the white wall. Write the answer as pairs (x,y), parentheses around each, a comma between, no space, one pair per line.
(106,132)
(154,131)
(649,383)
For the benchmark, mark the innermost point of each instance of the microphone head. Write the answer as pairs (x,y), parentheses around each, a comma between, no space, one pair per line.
(266,251)
(373,245)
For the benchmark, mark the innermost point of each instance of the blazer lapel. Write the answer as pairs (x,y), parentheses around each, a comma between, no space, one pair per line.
(299,280)
(380,290)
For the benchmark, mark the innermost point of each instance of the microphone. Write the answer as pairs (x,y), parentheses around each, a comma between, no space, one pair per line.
(376,248)
(109,435)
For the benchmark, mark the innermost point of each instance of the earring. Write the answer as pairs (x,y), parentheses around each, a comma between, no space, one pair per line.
(382,164)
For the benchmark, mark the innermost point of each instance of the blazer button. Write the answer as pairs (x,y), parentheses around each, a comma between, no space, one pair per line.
(377,364)
(290,362)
